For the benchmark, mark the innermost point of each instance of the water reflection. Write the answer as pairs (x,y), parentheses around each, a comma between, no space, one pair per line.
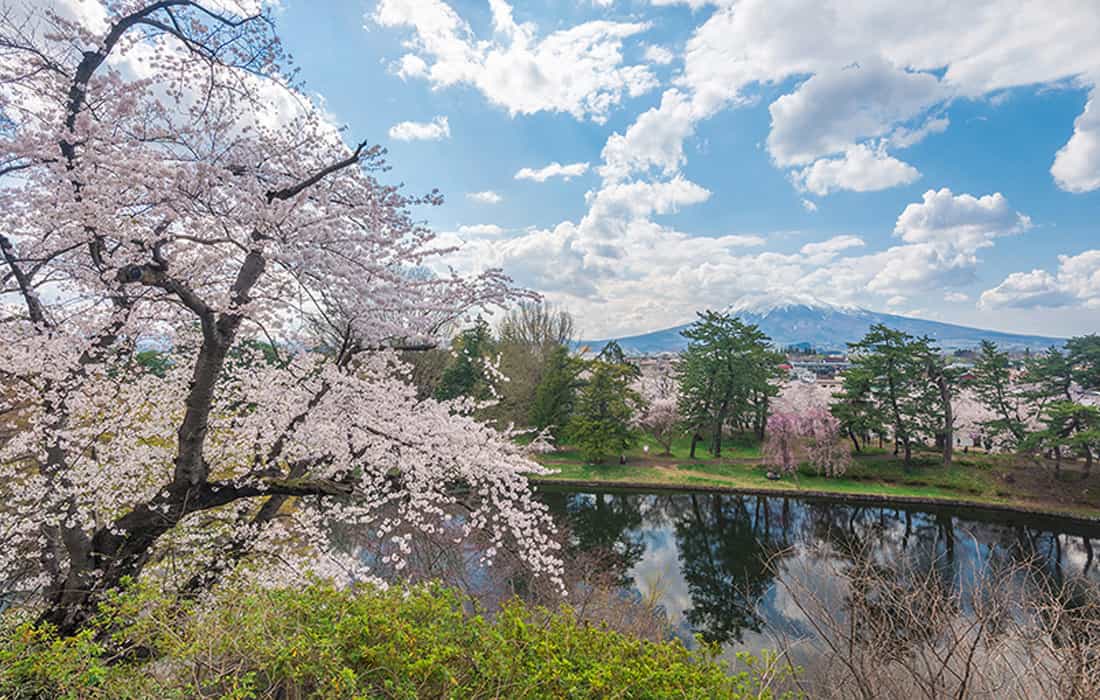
(604,521)
(724,547)
(711,558)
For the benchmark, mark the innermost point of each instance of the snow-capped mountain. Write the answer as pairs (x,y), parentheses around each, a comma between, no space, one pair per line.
(765,304)
(798,318)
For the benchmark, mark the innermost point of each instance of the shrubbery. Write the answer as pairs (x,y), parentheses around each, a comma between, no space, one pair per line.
(320,642)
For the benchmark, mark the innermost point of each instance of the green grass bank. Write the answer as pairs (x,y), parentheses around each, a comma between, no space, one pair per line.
(974,478)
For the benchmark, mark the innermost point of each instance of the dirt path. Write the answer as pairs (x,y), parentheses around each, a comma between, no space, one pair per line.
(674,461)
(675,471)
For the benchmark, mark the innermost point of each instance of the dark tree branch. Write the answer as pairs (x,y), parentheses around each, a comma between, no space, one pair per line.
(154,277)
(293,190)
(16,167)
(34,306)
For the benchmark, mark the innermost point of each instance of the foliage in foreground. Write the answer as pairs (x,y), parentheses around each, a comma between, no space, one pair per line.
(326,643)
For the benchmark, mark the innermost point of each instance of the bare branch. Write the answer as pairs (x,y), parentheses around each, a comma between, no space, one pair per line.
(293,190)
(34,306)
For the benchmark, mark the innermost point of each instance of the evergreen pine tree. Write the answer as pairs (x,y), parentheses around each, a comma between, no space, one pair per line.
(602,422)
(466,374)
(556,392)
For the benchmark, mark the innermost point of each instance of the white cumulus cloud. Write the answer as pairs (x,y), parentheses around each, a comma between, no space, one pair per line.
(822,252)
(555,169)
(480,230)
(941,237)
(1077,164)
(578,70)
(835,109)
(485,197)
(410,66)
(1075,283)
(912,58)
(435,130)
(654,141)
(659,55)
(860,169)
(962,221)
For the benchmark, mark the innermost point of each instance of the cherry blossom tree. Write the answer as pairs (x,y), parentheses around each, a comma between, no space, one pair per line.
(812,435)
(782,443)
(972,418)
(166,183)
(661,420)
(825,449)
(798,396)
(660,417)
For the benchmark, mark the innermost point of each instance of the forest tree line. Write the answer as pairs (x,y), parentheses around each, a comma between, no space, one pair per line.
(900,389)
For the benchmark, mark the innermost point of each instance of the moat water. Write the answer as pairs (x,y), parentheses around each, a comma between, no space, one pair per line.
(711,560)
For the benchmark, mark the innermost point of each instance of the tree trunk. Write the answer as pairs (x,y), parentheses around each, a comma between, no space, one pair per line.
(716,445)
(948,421)
(111,559)
(855,442)
(900,431)
(121,549)
(761,421)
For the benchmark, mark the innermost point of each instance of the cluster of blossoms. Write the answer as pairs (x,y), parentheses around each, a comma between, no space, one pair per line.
(162,184)
(660,414)
(802,429)
(798,396)
(812,435)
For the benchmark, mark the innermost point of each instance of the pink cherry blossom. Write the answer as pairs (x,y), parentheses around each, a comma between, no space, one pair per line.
(782,442)
(660,416)
(166,183)
(812,435)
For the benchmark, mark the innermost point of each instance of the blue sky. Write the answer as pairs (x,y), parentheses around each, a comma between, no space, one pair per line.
(936,160)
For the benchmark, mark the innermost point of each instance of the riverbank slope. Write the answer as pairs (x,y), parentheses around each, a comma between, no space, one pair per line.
(1005,482)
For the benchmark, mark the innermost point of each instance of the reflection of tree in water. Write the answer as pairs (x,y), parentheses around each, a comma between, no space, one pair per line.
(1057,568)
(725,544)
(924,539)
(1042,551)
(607,523)
(924,556)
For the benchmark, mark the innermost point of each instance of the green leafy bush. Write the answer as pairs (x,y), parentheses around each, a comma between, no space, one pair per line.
(320,642)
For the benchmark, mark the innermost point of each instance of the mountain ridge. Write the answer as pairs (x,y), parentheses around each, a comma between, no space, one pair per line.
(801,318)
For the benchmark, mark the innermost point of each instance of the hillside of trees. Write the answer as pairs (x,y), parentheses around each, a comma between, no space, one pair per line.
(900,392)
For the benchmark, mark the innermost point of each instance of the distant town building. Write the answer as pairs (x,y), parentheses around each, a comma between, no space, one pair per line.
(821,368)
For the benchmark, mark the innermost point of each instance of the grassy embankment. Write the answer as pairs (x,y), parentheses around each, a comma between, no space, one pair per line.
(975,477)
(337,644)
